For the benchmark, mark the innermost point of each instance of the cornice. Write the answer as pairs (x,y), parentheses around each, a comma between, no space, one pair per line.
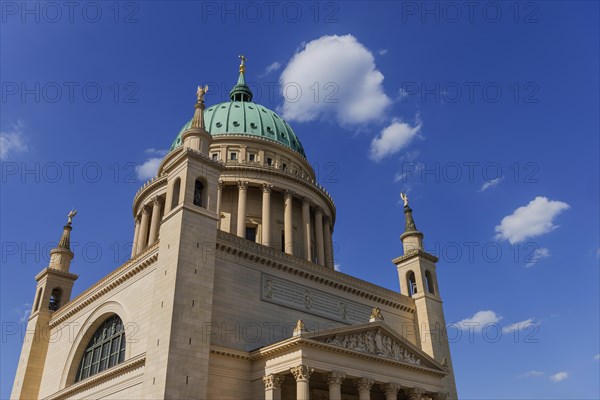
(299,342)
(126,366)
(413,254)
(147,188)
(106,284)
(292,265)
(48,270)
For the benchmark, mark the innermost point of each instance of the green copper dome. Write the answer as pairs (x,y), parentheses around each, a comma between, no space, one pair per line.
(242,117)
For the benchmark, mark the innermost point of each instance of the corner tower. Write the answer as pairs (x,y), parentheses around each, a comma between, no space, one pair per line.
(418,279)
(54,285)
(177,356)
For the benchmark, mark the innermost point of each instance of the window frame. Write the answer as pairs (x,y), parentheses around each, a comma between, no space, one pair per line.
(105,344)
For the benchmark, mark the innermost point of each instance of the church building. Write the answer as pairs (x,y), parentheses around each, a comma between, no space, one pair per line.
(231,291)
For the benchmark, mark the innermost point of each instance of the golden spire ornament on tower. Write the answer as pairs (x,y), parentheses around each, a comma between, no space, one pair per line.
(242,63)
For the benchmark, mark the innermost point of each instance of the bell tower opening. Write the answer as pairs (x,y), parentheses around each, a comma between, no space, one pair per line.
(411,283)
(55,298)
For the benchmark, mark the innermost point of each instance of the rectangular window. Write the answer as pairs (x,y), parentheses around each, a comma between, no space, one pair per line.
(104,358)
(215,156)
(114,353)
(233,156)
(252,157)
(284,166)
(282,240)
(251,233)
(95,361)
(269,161)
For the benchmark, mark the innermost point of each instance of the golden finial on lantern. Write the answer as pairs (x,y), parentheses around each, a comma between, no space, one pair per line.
(242,63)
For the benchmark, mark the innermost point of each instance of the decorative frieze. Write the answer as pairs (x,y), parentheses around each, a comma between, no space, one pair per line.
(312,301)
(374,342)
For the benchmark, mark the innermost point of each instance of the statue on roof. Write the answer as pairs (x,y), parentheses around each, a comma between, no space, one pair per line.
(404,198)
(201,92)
(72,213)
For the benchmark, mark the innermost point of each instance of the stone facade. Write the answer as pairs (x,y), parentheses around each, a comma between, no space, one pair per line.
(229,255)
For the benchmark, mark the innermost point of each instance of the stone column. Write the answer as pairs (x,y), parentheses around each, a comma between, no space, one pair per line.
(266,214)
(334,380)
(273,386)
(136,233)
(364,388)
(241,213)
(391,391)
(155,223)
(302,375)
(415,394)
(319,236)
(287,221)
(306,228)
(328,243)
(143,234)
(219,197)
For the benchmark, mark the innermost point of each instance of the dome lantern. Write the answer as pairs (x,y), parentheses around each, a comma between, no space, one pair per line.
(241,91)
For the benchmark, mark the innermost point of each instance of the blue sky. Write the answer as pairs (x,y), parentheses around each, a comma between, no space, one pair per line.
(487,116)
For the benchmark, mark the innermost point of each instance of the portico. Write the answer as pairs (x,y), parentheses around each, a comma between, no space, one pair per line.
(362,362)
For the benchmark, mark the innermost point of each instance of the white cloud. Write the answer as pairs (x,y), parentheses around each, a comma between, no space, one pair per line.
(337,267)
(490,184)
(382,52)
(23,311)
(559,376)
(532,373)
(274,66)
(149,168)
(537,255)
(157,152)
(12,141)
(518,326)
(597,357)
(349,85)
(531,220)
(393,138)
(479,320)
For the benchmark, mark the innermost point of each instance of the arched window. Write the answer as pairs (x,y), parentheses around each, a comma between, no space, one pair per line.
(429,282)
(105,349)
(412,283)
(55,299)
(198,191)
(176,190)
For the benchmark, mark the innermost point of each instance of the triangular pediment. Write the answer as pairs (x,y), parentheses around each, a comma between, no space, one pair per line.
(375,339)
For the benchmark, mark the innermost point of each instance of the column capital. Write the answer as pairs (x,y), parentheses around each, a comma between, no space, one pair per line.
(440,396)
(302,372)
(319,210)
(335,378)
(155,201)
(137,219)
(306,200)
(220,184)
(288,194)
(390,389)
(242,185)
(415,394)
(145,210)
(266,187)
(273,382)
(364,383)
